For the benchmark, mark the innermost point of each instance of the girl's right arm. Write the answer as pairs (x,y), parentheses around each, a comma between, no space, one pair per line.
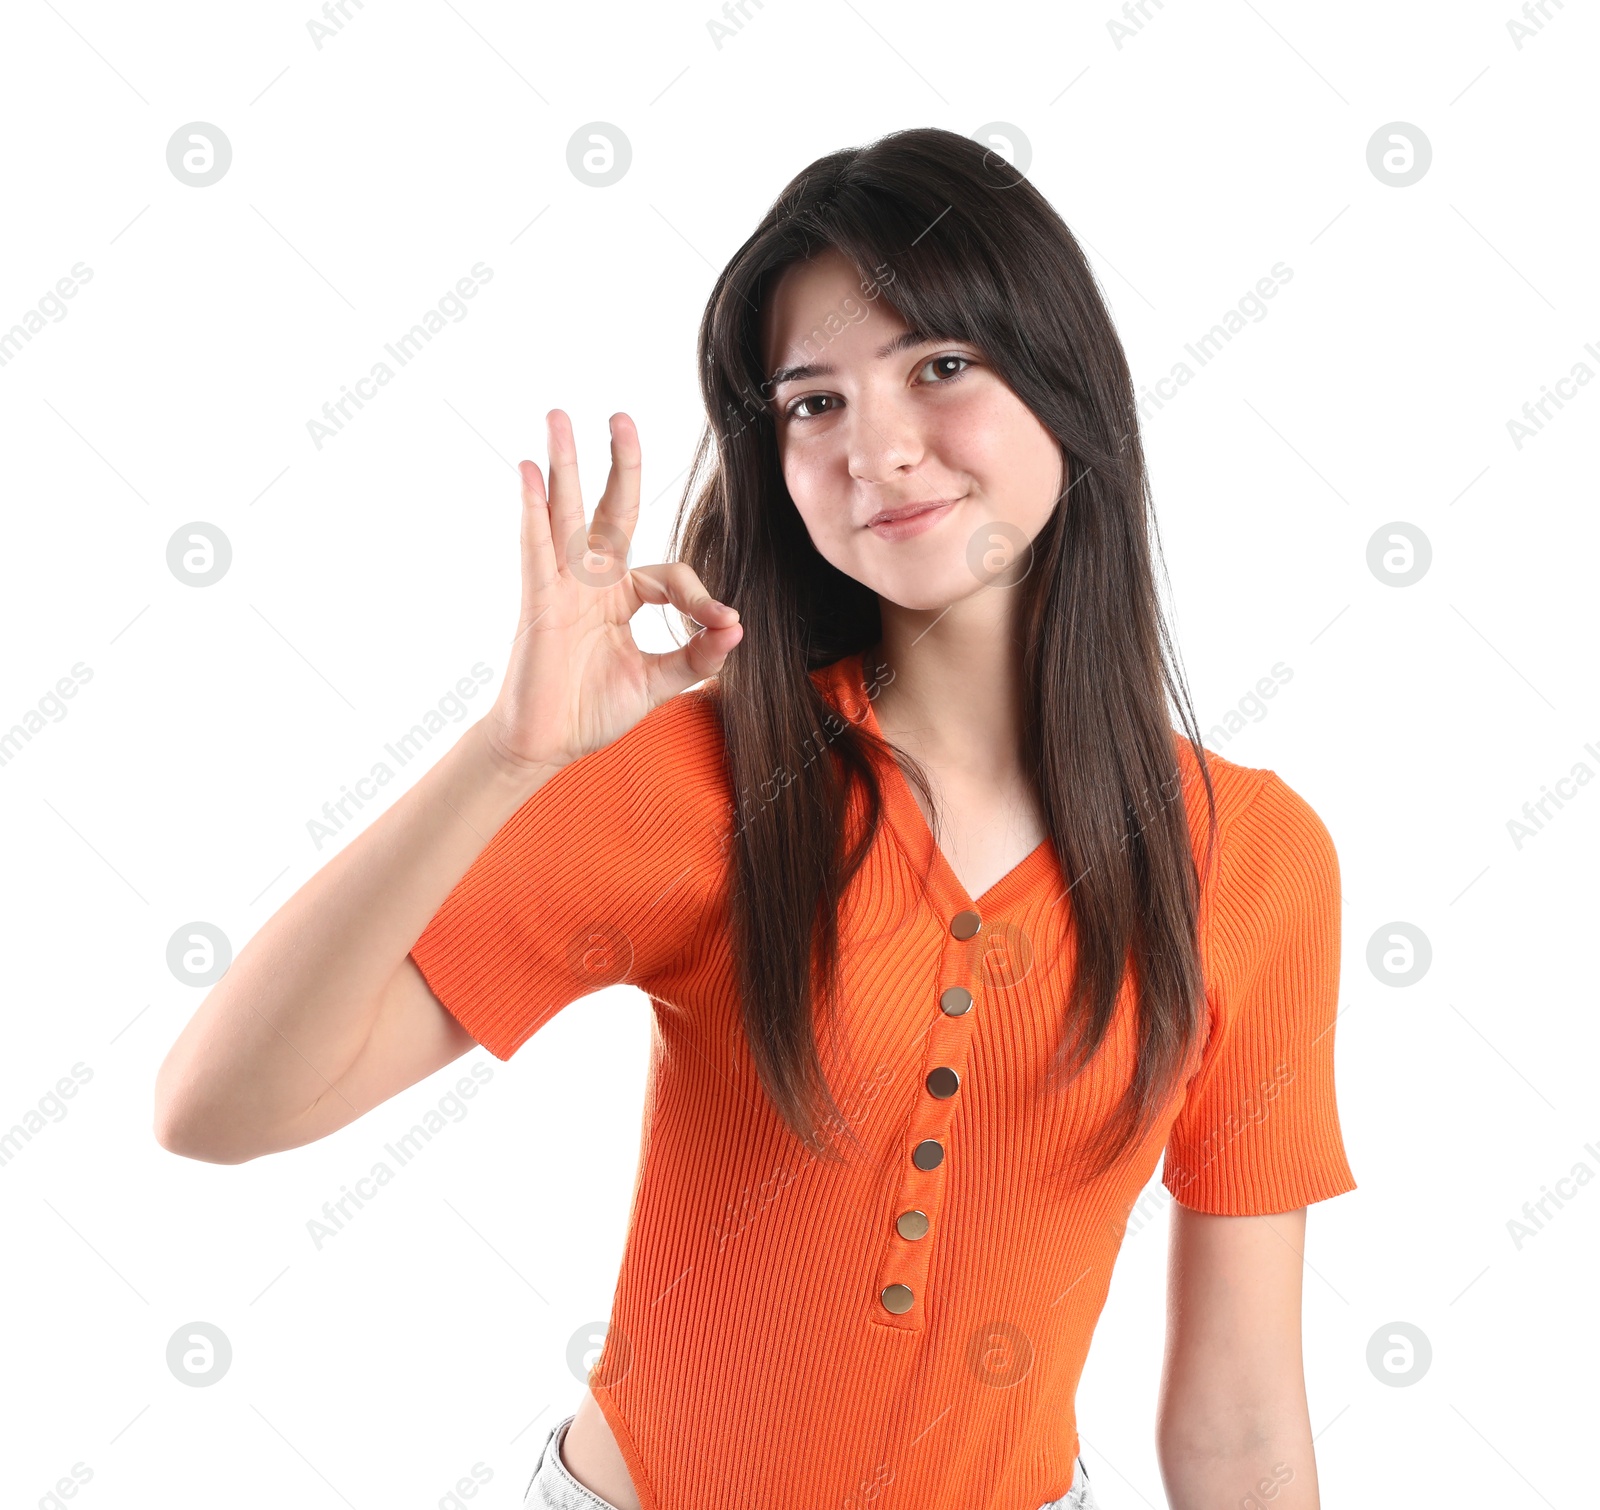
(323,1014)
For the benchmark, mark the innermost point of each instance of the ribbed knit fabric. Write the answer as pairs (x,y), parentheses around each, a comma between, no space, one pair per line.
(750,1358)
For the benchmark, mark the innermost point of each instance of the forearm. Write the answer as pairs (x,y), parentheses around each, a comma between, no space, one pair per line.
(299,1002)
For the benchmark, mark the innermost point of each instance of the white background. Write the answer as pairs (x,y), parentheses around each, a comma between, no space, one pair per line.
(369,575)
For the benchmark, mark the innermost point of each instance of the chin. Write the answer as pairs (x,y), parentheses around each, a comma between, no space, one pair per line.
(927,589)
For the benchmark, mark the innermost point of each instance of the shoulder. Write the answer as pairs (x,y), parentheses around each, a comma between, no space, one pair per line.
(682,736)
(679,737)
(1257,810)
(1277,864)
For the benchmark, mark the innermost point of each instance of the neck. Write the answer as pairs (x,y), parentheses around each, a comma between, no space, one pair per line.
(953,691)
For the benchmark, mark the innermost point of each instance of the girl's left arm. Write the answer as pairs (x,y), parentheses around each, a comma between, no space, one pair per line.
(1233,1426)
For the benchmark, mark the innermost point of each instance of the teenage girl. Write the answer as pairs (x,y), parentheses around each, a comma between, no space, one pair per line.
(950,936)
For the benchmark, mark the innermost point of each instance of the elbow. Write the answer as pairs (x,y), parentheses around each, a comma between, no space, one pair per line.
(182,1137)
(182,1143)
(183,1128)
(1244,1432)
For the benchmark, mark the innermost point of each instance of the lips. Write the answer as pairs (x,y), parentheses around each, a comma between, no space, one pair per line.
(909,510)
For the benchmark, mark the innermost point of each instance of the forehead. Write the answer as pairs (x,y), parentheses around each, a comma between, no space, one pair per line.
(819,301)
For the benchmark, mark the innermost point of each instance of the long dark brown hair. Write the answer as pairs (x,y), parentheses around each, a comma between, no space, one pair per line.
(965,248)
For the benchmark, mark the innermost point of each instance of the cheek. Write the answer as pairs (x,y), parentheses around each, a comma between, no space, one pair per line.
(999,441)
(812,475)
(987,432)
(813,484)
(972,435)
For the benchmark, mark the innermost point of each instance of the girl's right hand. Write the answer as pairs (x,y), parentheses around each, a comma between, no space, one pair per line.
(576,680)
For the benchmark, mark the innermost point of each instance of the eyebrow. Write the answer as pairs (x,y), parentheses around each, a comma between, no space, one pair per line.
(901,342)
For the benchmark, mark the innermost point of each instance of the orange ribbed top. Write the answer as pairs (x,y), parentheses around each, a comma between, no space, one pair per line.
(750,1358)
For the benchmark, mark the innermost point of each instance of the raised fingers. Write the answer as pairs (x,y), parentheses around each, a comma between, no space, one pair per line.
(566,499)
(538,551)
(617,513)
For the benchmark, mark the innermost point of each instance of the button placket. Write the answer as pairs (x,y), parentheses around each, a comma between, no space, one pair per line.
(913,1224)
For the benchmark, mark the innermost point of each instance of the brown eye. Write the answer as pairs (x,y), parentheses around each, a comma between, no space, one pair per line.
(948,356)
(793,411)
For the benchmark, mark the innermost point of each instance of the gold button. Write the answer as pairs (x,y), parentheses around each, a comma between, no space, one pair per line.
(942,1082)
(964,924)
(912,1224)
(928,1154)
(897,1298)
(955,1001)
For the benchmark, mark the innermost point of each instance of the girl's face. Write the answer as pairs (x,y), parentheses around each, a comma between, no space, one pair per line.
(871,417)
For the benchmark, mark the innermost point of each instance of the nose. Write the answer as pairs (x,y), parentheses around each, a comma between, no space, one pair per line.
(884,440)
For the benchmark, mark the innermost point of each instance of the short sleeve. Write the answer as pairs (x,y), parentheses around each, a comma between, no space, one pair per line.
(601,878)
(1258,1131)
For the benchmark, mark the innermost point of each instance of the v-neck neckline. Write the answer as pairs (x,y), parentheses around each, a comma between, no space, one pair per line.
(917,838)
